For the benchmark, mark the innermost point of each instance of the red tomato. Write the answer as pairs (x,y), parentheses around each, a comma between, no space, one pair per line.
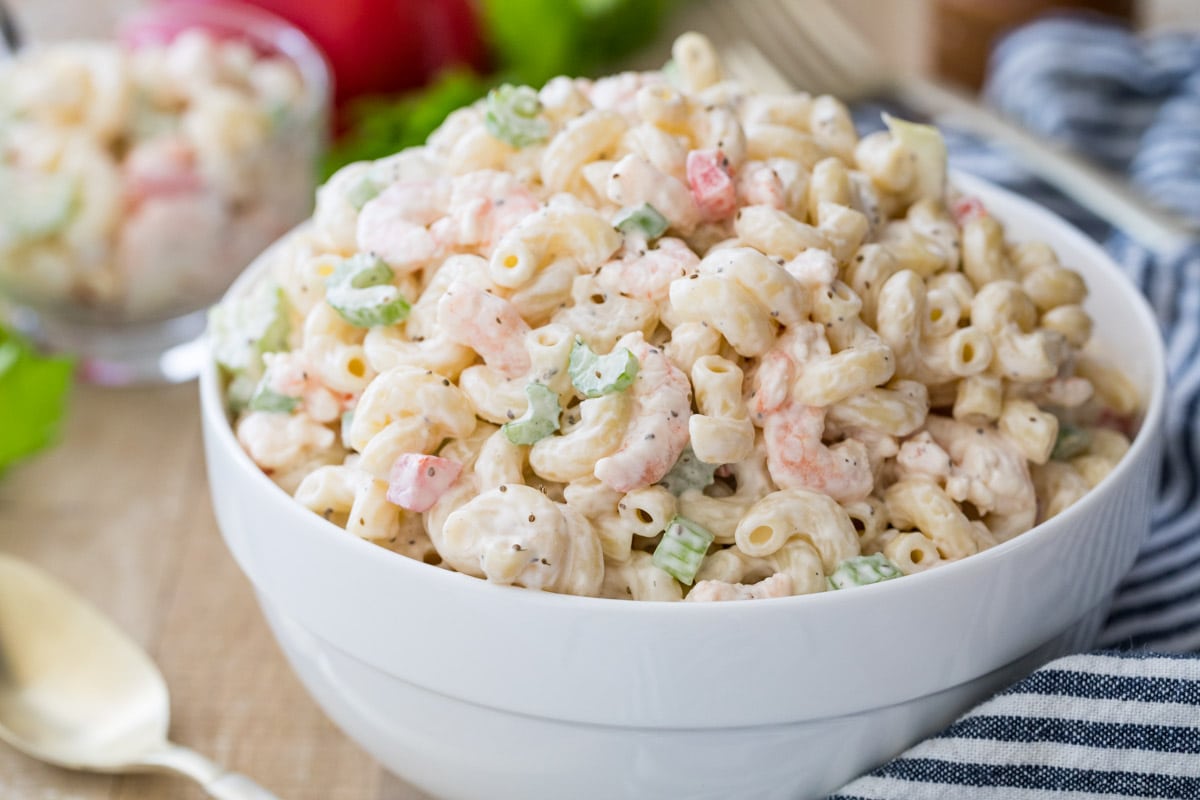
(711,182)
(384,46)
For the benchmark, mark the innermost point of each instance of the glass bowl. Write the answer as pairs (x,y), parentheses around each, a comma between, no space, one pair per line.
(139,177)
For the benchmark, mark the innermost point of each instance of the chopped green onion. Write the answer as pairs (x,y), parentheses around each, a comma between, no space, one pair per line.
(643,219)
(1071,442)
(363,190)
(511,116)
(265,399)
(347,421)
(682,548)
(596,376)
(689,472)
(539,420)
(862,570)
(360,290)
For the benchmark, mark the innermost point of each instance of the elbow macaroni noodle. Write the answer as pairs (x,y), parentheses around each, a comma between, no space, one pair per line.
(782,347)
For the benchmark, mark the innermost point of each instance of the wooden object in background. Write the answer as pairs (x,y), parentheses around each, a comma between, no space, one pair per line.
(964,31)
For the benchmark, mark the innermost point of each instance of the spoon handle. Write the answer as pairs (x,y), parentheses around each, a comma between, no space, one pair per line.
(215,779)
(232,786)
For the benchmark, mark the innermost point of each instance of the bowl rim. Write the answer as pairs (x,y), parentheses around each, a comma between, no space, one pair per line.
(1050,227)
(259,24)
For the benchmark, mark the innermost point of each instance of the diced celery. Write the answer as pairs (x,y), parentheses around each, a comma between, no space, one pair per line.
(265,399)
(862,570)
(347,421)
(36,205)
(539,420)
(643,219)
(512,116)
(929,151)
(670,71)
(1071,442)
(360,290)
(682,549)
(689,472)
(594,375)
(364,189)
(241,329)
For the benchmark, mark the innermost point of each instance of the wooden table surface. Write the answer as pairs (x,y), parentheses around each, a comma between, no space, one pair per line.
(120,510)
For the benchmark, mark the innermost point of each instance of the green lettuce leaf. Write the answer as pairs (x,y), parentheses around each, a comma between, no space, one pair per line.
(33,396)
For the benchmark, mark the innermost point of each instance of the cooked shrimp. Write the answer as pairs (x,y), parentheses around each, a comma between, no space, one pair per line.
(662,404)
(393,225)
(778,585)
(647,275)
(798,459)
(487,324)
(759,184)
(483,206)
(634,181)
(989,472)
(288,374)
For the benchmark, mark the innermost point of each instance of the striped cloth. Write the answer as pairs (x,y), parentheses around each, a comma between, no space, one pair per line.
(1124,721)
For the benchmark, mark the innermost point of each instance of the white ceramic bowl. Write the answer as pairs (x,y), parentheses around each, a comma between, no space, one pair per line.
(471,690)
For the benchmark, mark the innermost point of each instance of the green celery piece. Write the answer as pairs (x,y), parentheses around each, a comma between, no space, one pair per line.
(539,420)
(36,205)
(596,376)
(265,399)
(347,421)
(363,191)
(360,290)
(1071,442)
(689,472)
(33,394)
(241,329)
(862,570)
(682,549)
(643,219)
(512,116)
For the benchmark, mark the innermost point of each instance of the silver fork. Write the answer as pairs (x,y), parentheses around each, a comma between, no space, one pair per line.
(817,51)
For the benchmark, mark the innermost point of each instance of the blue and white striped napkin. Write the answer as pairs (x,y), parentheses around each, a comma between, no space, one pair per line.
(1125,721)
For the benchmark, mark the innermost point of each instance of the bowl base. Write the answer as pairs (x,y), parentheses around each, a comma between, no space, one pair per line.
(163,351)
(456,749)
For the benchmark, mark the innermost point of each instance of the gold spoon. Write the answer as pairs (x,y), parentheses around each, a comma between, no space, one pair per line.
(75,691)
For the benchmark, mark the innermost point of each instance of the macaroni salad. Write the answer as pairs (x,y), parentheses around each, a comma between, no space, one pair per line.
(656,336)
(136,182)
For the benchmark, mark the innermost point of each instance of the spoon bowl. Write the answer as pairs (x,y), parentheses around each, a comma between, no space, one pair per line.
(77,692)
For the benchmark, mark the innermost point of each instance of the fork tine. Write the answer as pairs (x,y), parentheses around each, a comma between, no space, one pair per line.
(748,64)
(761,21)
(840,43)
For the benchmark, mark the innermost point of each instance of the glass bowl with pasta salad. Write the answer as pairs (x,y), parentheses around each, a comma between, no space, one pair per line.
(139,176)
(659,337)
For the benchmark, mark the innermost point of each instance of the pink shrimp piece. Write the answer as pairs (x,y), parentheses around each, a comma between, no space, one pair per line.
(798,459)
(710,178)
(416,480)
(967,208)
(393,225)
(160,168)
(647,275)
(780,366)
(488,324)
(634,181)
(658,432)
(619,92)
(989,472)
(778,585)
(288,374)
(484,205)
(760,185)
